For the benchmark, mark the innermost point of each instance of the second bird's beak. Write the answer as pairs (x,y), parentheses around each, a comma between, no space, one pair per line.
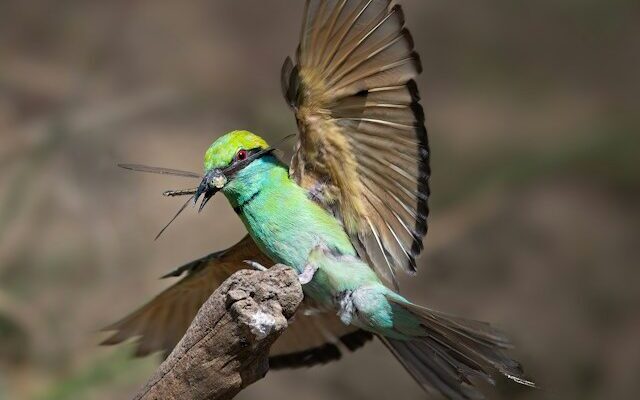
(211,183)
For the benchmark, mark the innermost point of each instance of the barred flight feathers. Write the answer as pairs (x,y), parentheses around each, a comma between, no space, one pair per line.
(362,149)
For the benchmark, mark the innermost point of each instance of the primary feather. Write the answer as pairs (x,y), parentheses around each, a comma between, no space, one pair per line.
(362,151)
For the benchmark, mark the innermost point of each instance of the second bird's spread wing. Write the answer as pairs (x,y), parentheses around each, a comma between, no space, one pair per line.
(160,324)
(362,151)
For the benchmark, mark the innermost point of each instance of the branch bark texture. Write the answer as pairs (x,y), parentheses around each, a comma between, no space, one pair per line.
(226,348)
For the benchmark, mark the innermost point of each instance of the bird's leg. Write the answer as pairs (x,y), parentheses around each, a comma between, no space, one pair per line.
(304,277)
(346,308)
(307,273)
(255,265)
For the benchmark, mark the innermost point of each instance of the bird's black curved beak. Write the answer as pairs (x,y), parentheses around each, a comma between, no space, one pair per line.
(211,183)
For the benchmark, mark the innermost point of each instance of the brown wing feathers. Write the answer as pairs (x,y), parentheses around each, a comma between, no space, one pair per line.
(363,145)
(160,324)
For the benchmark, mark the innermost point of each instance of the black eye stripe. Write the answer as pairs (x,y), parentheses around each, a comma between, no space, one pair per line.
(252,154)
(248,154)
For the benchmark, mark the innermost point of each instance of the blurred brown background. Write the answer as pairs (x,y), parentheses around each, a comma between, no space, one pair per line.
(532,110)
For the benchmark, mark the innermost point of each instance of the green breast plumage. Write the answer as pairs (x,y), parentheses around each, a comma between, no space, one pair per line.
(280,217)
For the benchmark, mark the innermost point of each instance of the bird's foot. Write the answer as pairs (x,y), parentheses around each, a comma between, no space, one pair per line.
(255,265)
(307,273)
(304,277)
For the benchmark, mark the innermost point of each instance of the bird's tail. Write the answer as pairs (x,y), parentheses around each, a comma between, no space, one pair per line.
(453,353)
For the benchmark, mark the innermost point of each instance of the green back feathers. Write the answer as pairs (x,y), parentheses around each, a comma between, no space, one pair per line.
(223,150)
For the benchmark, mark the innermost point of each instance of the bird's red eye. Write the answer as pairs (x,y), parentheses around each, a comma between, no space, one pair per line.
(242,155)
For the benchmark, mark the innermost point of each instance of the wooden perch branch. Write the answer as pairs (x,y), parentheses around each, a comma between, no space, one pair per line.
(226,348)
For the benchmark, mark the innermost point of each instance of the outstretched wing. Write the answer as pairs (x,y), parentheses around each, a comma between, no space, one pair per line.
(160,324)
(362,150)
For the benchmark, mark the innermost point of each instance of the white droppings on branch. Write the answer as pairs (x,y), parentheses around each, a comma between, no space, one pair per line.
(262,324)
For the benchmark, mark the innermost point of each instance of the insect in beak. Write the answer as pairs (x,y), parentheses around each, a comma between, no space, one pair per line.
(211,183)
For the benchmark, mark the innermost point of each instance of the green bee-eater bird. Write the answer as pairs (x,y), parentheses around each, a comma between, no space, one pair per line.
(347,215)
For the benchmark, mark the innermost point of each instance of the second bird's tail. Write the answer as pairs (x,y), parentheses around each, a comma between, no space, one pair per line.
(452,353)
